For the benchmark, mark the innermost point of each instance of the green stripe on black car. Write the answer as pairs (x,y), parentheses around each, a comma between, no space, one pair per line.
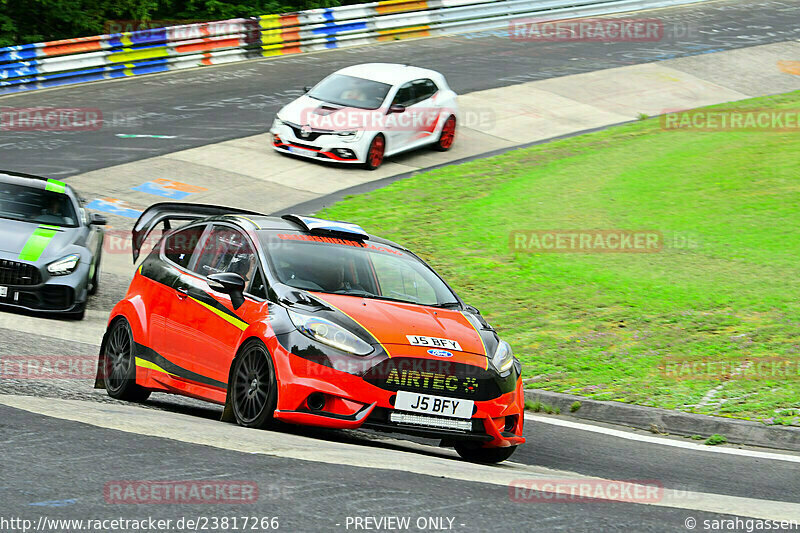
(56,186)
(37,242)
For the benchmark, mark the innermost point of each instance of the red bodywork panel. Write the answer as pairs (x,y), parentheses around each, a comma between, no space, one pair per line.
(192,343)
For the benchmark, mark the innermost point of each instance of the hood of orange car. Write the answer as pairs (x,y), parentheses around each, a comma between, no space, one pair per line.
(392,322)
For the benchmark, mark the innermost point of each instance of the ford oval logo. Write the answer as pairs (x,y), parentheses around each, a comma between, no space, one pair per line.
(440,353)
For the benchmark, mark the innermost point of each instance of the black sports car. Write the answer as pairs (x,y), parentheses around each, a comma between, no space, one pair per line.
(50,248)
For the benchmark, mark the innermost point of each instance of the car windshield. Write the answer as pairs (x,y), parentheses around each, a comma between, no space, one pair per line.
(350,91)
(369,270)
(29,204)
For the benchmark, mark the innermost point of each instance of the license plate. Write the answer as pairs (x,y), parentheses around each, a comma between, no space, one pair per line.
(3,292)
(433,405)
(302,151)
(433,342)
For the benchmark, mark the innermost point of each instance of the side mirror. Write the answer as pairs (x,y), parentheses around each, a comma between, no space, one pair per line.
(97,220)
(229,283)
(396,108)
(307,88)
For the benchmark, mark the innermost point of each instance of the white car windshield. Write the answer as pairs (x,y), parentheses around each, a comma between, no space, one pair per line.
(369,270)
(350,91)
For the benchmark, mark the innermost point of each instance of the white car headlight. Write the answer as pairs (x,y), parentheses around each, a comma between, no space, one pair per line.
(349,136)
(276,122)
(503,358)
(65,265)
(329,333)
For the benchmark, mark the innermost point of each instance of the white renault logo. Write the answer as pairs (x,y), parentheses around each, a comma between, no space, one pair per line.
(305,131)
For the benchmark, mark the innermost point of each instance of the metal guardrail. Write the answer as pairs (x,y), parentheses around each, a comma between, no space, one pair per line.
(121,55)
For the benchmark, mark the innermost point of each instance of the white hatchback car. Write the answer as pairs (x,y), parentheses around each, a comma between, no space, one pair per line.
(363,113)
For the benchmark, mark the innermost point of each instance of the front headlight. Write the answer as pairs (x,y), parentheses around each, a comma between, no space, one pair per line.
(503,358)
(65,265)
(329,333)
(276,122)
(349,135)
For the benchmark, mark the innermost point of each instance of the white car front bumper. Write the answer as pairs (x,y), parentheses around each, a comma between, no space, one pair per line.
(318,145)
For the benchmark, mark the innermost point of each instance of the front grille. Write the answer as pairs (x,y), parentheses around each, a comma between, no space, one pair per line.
(303,145)
(413,419)
(392,421)
(438,377)
(50,297)
(14,273)
(57,297)
(312,135)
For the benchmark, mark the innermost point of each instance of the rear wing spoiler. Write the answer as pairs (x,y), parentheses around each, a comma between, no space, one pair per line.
(167,212)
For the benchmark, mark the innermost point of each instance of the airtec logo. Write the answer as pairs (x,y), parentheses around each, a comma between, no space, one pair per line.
(431,381)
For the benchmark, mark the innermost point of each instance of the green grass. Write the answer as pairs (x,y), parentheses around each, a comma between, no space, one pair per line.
(725,286)
(715,439)
(539,407)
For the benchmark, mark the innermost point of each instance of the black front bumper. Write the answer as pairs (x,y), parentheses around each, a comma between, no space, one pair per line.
(54,294)
(42,298)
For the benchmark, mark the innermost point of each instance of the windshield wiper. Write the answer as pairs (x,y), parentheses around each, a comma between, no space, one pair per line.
(354,292)
(448,305)
(372,296)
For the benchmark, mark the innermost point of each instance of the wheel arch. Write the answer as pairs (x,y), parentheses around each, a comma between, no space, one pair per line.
(256,332)
(136,318)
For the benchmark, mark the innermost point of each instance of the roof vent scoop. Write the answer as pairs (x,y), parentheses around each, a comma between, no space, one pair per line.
(344,230)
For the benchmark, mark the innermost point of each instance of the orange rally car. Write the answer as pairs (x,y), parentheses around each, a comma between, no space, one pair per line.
(311,322)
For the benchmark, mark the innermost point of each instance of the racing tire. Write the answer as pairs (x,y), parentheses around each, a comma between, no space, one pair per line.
(475,454)
(119,364)
(447,136)
(94,283)
(253,386)
(375,153)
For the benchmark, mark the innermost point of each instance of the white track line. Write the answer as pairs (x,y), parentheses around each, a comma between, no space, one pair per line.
(436,462)
(661,440)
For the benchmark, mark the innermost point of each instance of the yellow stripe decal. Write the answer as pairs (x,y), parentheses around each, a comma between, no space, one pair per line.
(143,363)
(235,321)
(485,351)
(249,220)
(357,322)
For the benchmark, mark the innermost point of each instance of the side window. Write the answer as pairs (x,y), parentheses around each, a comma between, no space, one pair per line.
(179,247)
(405,95)
(424,89)
(403,282)
(226,250)
(82,214)
(258,287)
